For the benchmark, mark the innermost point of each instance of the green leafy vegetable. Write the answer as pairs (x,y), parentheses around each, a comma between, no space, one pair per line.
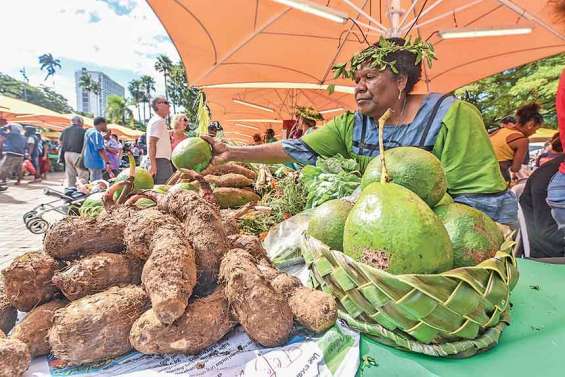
(331,178)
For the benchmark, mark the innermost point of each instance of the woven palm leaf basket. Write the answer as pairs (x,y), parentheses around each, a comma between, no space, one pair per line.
(457,313)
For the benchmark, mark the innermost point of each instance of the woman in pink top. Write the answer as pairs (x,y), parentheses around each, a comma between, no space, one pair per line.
(180,123)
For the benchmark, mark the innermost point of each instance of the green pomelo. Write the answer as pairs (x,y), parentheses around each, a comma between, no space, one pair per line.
(192,153)
(445,200)
(411,167)
(327,222)
(143,180)
(391,228)
(474,236)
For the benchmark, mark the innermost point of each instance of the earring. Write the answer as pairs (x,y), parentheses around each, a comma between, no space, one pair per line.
(399,94)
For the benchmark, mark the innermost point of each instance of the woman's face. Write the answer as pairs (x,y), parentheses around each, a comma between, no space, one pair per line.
(530,128)
(181,124)
(375,91)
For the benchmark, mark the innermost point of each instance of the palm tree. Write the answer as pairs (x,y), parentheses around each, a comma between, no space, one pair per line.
(117,110)
(148,86)
(88,84)
(50,64)
(164,65)
(136,93)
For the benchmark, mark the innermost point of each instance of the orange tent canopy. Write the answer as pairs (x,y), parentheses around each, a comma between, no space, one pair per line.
(248,42)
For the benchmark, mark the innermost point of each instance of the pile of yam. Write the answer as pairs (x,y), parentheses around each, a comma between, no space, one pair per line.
(165,279)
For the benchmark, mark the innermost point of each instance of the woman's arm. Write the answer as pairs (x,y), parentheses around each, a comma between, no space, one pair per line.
(520,148)
(265,153)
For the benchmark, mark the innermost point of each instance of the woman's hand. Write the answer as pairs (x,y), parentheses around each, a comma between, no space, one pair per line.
(220,151)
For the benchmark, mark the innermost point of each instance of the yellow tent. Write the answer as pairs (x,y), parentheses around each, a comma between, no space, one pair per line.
(19,107)
(125,132)
(543,134)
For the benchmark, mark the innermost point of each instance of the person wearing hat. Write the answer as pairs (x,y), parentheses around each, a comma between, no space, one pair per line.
(306,118)
(384,76)
(14,148)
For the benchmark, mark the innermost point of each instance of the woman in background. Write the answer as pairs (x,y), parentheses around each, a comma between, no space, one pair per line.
(180,123)
(511,143)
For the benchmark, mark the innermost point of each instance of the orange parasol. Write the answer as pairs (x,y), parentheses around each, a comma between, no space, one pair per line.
(298,41)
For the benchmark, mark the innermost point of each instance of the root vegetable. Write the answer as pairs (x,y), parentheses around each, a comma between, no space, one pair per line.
(230,167)
(34,328)
(97,327)
(315,310)
(249,243)
(28,280)
(263,313)
(205,322)
(229,197)
(229,180)
(76,236)
(96,273)
(8,313)
(169,275)
(141,228)
(203,226)
(14,357)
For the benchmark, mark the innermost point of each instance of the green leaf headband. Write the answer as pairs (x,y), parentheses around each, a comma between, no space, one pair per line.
(307,112)
(377,54)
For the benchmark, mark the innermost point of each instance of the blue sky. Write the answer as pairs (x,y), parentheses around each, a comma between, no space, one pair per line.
(118,37)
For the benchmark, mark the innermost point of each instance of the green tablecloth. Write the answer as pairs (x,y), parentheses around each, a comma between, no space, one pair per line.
(533,345)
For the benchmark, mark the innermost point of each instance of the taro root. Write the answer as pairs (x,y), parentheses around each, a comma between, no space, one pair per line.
(77,236)
(97,327)
(229,197)
(141,228)
(228,168)
(8,313)
(96,273)
(203,227)
(229,180)
(205,322)
(14,357)
(34,328)
(28,280)
(264,313)
(169,275)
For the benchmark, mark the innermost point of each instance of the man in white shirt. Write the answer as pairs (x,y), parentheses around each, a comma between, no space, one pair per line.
(159,151)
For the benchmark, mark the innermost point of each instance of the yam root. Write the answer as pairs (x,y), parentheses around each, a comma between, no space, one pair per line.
(229,180)
(205,322)
(8,314)
(96,273)
(315,310)
(97,327)
(14,357)
(169,275)
(77,236)
(141,228)
(228,168)
(34,328)
(28,280)
(203,226)
(229,197)
(264,313)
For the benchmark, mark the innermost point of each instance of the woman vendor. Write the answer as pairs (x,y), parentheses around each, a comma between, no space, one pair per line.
(453,130)
(306,118)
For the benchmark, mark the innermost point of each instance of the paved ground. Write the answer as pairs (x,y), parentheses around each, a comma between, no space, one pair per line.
(15,239)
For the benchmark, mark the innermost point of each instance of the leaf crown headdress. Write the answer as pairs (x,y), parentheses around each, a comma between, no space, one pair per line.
(307,112)
(378,56)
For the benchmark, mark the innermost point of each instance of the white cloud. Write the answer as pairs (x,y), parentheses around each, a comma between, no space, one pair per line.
(116,39)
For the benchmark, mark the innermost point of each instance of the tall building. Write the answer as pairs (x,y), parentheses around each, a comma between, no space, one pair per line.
(89,102)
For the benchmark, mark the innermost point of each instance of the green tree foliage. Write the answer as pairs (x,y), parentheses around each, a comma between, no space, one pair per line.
(118,112)
(164,65)
(88,84)
(40,96)
(148,86)
(500,95)
(182,94)
(137,97)
(49,64)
